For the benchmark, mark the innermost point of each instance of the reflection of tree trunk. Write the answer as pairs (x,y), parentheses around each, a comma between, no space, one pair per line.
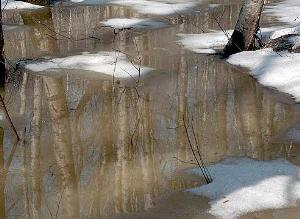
(123,169)
(23,94)
(245,30)
(2,60)
(2,177)
(121,132)
(147,156)
(249,118)
(25,175)
(42,30)
(106,150)
(221,84)
(35,149)
(62,143)
(182,81)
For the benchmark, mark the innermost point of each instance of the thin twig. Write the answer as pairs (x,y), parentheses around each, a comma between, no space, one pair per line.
(207,179)
(9,119)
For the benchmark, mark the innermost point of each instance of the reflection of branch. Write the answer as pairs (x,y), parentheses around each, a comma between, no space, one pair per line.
(10,158)
(8,117)
(199,160)
(59,203)
(183,161)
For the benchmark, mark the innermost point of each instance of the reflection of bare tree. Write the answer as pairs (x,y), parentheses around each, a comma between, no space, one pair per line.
(35,149)
(147,155)
(266,124)
(249,118)
(42,35)
(103,184)
(2,60)
(22,93)
(25,177)
(62,143)
(182,82)
(221,83)
(121,142)
(2,177)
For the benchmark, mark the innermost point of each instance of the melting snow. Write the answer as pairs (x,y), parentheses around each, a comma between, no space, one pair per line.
(209,42)
(109,63)
(204,43)
(244,185)
(286,11)
(133,23)
(278,70)
(163,7)
(11,4)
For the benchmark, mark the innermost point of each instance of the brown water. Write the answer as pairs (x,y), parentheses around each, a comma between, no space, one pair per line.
(103,148)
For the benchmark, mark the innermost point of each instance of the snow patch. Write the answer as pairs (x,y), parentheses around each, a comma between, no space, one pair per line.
(133,23)
(210,42)
(278,70)
(109,63)
(244,185)
(204,43)
(162,7)
(11,4)
(286,11)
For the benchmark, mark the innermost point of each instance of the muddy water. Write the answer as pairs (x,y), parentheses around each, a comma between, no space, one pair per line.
(95,147)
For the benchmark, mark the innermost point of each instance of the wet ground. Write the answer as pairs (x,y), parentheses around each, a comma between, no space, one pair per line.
(110,148)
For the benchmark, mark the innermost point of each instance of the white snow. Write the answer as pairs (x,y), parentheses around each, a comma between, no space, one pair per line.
(286,11)
(205,42)
(11,4)
(109,63)
(278,70)
(136,23)
(244,185)
(209,42)
(156,7)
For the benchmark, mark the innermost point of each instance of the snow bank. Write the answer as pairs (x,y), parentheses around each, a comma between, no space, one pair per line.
(133,23)
(157,7)
(278,70)
(204,43)
(244,185)
(109,63)
(162,7)
(286,11)
(11,4)
(209,42)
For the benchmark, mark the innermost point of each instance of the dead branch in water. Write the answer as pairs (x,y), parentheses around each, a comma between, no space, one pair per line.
(9,119)
(198,159)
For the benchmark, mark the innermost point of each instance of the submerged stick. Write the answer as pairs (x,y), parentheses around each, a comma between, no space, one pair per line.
(9,119)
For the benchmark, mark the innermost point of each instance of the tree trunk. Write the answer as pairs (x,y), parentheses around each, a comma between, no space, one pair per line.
(2,60)
(243,37)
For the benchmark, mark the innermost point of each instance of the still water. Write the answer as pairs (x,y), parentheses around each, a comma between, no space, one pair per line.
(97,147)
